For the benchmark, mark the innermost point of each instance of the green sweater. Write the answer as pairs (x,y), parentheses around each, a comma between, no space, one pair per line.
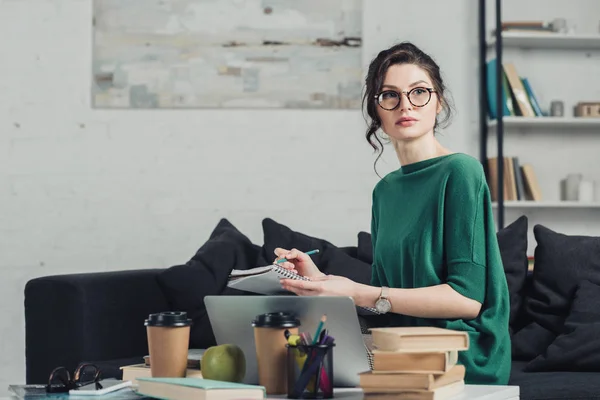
(433,224)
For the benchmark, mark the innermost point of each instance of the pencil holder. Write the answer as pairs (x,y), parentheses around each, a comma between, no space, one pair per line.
(310,371)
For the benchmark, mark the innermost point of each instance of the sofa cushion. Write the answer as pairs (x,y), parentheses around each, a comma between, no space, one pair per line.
(531,341)
(364,250)
(207,273)
(554,385)
(331,259)
(577,348)
(512,241)
(561,263)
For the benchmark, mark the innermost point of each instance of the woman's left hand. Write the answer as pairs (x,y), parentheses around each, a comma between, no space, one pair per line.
(327,285)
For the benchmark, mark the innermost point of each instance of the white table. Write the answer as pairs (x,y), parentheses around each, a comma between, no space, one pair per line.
(471,392)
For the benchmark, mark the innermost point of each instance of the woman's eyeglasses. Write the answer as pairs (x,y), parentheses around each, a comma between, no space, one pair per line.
(60,379)
(390,99)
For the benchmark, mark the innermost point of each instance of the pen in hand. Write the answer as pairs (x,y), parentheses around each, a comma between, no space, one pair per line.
(308,253)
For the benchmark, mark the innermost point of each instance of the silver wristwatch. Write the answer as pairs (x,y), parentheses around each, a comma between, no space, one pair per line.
(383,304)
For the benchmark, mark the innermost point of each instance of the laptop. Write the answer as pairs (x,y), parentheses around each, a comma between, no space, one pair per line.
(231,320)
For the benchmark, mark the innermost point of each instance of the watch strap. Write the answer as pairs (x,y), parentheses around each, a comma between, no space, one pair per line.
(384,292)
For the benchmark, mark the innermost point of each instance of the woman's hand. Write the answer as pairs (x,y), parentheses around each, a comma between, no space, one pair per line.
(325,285)
(298,262)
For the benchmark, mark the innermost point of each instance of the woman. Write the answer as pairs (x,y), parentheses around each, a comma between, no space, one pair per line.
(436,260)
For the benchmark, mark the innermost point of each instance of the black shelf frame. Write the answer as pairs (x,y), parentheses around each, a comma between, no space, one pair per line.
(483,101)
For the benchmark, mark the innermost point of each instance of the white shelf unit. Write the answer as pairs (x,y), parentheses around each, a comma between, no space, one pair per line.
(526,40)
(548,122)
(548,204)
(547,41)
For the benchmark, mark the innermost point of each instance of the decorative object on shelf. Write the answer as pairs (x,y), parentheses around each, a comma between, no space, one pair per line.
(570,187)
(557,108)
(575,188)
(559,25)
(586,191)
(587,109)
(525,26)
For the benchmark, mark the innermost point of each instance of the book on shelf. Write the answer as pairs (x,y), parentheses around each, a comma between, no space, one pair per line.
(507,103)
(518,97)
(518,90)
(531,184)
(535,104)
(519,181)
(198,389)
(530,263)
(525,27)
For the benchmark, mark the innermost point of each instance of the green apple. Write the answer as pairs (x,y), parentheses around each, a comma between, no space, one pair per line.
(225,362)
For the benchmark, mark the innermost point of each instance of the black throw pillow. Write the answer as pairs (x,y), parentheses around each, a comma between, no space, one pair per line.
(277,235)
(512,241)
(577,348)
(365,247)
(561,262)
(205,274)
(331,259)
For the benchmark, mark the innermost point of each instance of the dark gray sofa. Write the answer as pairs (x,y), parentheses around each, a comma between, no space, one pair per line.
(99,316)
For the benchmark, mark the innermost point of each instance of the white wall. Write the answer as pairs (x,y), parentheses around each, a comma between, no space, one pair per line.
(90,190)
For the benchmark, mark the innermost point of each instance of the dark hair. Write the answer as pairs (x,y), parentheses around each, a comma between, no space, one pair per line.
(401,53)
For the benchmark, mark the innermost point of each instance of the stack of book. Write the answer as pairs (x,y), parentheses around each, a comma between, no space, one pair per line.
(519,181)
(415,363)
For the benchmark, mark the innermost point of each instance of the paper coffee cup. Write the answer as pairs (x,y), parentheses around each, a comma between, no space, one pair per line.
(168,343)
(271,351)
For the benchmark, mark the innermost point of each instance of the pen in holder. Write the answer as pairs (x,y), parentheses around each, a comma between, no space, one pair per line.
(310,371)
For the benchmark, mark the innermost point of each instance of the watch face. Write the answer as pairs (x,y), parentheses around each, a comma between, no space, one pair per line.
(383,306)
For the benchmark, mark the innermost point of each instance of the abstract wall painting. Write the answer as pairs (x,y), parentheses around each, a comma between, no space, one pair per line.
(156,54)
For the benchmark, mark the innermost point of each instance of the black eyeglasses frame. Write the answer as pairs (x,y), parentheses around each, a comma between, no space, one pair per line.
(400,93)
(65,384)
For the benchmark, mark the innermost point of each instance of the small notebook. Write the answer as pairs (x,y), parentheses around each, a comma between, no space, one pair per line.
(262,280)
(265,280)
(103,387)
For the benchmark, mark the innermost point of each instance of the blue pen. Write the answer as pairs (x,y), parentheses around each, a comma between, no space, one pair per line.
(308,253)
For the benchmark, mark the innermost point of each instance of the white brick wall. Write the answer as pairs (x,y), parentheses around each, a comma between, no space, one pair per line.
(88,190)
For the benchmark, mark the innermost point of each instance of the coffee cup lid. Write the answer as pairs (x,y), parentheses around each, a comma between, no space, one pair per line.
(276,320)
(168,318)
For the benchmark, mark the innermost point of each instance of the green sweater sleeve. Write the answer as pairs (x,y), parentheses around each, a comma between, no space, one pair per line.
(465,233)
(375,280)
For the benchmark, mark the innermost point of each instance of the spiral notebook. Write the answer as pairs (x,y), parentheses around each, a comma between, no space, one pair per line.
(265,280)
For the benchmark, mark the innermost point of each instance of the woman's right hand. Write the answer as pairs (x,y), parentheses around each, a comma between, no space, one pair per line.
(299,262)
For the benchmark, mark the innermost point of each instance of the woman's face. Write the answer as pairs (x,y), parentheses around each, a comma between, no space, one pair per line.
(408,121)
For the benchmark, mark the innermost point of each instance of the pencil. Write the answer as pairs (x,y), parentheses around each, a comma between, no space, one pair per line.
(319,329)
(308,253)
